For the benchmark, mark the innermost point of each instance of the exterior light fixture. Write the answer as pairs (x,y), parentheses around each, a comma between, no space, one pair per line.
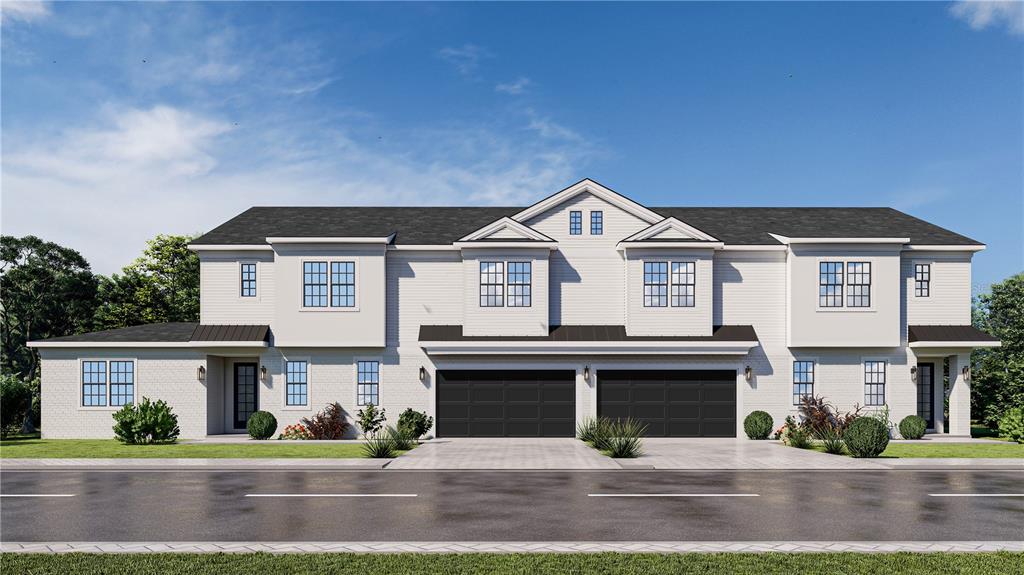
(201,373)
(423,373)
(966,372)
(748,374)
(263,373)
(586,373)
(913,373)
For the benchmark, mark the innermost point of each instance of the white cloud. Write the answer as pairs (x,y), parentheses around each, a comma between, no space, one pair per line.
(466,58)
(24,10)
(550,129)
(105,188)
(310,88)
(514,88)
(980,14)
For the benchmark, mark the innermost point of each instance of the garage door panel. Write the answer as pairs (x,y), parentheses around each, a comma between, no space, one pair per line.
(453,411)
(486,393)
(531,411)
(497,403)
(558,393)
(523,392)
(679,403)
(483,411)
(454,392)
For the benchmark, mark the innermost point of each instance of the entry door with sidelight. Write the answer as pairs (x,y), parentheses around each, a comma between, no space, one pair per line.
(245,393)
(926,393)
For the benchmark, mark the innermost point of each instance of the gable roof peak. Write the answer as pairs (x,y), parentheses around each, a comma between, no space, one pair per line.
(587,185)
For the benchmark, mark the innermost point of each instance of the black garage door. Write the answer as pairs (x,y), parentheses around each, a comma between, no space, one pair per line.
(691,403)
(506,403)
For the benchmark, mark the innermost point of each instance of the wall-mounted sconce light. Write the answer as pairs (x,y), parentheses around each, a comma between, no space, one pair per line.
(586,373)
(748,374)
(966,372)
(913,373)
(263,373)
(423,373)
(201,373)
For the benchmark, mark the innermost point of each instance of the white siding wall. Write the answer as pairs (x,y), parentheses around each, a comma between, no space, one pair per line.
(949,302)
(669,320)
(169,375)
(220,301)
(505,320)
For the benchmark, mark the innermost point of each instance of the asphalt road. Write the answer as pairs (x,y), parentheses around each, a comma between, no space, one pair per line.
(511,506)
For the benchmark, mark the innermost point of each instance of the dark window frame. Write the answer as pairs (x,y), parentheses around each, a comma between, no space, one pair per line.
(315,293)
(247,276)
(97,387)
(874,382)
(296,383)
(575,223)
(858,284)
(656,284)
(922,280)
(683,279)
(492,284)
(121,382)
(343,278)
(520,283)
(831,276)
(596,223)
(803,379)
(367,382)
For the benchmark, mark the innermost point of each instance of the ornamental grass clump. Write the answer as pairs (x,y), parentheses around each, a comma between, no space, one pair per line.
(402,439)
(625,439)
(593,430)
(379,446)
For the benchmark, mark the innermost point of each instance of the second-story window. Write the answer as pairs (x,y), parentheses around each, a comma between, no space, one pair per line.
(575,223)
(314,284)
(519,280)
(296,382)
(803,380)
(248,271)
(655,284)
(343,284)
(596,223)
(922,280)
(683,284)
(858,288)
(830,284)
(492,284)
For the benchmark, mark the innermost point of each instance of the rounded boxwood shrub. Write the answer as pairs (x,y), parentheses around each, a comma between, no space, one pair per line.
(758,425)
(262,425)
(912,427)
(866,437)
(1011,424)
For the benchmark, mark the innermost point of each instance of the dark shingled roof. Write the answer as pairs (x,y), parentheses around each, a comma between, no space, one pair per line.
(175,332)
(442,226)
(587,333)
(947,333)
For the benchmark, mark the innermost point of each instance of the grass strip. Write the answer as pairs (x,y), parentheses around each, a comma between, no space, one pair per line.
(111,448)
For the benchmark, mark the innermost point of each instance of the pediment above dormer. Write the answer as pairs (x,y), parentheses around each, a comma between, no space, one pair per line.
(671,231)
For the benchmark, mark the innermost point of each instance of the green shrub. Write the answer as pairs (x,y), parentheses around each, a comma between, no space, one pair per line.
(758,425)
(866,437)
(379,446)
(624,438)
(1011,425)
(261,425)
(832,441)
(327,424)
(402,440)
(15,401)
(799,438)
(370,419)
(913,427)
(414,423)
(35,413)
(147,422)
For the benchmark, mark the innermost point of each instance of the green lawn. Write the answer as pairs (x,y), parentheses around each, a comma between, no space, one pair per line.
(110,448)
(602,563)
(968,450)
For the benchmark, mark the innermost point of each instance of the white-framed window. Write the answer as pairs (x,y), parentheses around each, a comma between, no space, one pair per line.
(596,223)
(575,223)
(107,382)
(803,380)
(314,284)
(343,284)
(247,273)
(922,280)
(655,284)
(684,280)
(296,379)
(492,284)
(830,284)
(874,382)
(520,277)
(858,284)
(368,382)
(329,284)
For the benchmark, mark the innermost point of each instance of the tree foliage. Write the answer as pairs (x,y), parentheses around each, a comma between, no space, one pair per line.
(998,381)
(160,286)
(48,291)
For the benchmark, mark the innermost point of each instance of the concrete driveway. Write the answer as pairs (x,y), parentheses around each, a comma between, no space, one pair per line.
(504,453)
(729,453)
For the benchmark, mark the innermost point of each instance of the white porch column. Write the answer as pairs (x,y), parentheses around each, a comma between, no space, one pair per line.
(959,396)
(938,395)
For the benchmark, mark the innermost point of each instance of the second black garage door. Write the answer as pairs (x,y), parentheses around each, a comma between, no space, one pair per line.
(676,403)
(487,403)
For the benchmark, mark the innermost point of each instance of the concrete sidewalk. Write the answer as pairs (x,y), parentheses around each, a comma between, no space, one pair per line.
(194,463)
(508,453)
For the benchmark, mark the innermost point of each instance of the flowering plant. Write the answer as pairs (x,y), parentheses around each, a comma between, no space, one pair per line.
(296,431)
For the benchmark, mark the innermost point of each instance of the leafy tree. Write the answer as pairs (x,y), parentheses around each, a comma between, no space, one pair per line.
(48,291)
(160,286)
(998,381)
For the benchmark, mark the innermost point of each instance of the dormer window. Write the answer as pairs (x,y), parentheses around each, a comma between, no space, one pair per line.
(596,223)
(492,284)
(575,223)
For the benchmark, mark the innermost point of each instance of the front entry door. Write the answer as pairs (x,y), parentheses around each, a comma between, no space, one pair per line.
(926,392)
(245,393)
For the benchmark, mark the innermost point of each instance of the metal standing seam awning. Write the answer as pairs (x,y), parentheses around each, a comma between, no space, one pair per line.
(948,336)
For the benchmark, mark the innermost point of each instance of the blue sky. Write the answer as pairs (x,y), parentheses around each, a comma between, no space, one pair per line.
(121,121)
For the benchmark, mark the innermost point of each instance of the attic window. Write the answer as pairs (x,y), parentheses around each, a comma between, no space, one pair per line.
(575,223)
(596,223)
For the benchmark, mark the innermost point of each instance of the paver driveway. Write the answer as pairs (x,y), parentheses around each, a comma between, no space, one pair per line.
(729,453)
(504,453)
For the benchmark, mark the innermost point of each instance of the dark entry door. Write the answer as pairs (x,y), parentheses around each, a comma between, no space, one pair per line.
(926,392)
(514,403)
(672,403)
(245,393)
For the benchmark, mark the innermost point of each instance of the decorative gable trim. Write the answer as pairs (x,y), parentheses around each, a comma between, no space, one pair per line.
(671,230)
(505,229)
(589,186)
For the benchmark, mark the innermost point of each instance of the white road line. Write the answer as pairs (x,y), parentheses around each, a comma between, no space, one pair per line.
(37,494)
(672,495)
(330,495)
(976,495)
